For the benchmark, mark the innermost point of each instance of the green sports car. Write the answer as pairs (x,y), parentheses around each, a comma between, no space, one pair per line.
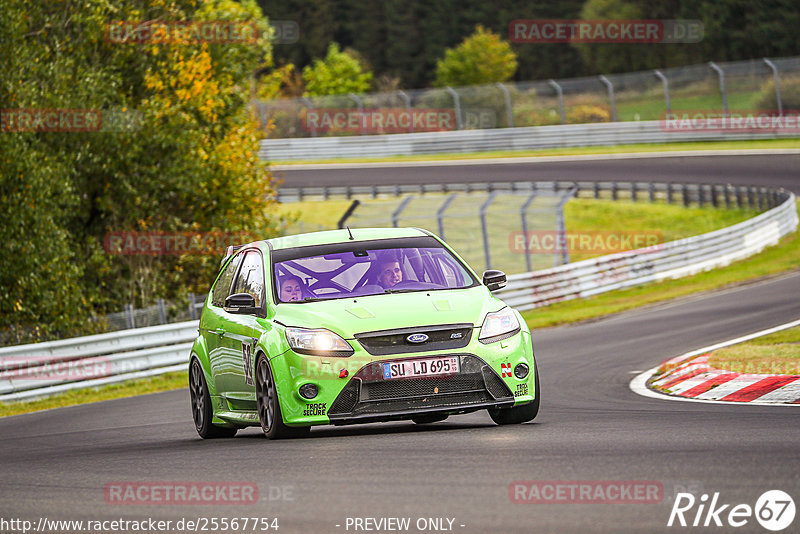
(355,326)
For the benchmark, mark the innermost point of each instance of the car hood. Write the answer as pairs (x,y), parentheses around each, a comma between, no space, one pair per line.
(351,316)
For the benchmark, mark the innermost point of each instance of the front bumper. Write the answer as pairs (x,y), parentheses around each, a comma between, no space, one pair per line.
(485,381)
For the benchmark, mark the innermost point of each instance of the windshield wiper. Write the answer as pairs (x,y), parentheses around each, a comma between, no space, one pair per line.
(401,290)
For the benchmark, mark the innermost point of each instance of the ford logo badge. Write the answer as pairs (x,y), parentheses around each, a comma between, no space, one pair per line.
(417,338)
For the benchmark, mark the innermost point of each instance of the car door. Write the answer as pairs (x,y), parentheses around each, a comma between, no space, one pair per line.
(242,332)
(215,322)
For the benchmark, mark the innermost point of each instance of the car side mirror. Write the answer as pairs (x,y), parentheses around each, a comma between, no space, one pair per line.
(494,280)
(240,303)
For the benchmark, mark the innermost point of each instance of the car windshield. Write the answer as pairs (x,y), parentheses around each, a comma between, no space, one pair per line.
(353,269)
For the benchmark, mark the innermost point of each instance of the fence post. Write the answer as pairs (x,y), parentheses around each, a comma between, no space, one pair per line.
(721,75)
(129,318)
(407,101)
(360,103)
(310,105)
(772,66)
(440,213)
(162,312)
(611,100)
(562,228)
(560,94)
(456,106)
(509,112)
(399,210)
(665,83)
(192,313)
(524,218)
(484,230)
(350,209)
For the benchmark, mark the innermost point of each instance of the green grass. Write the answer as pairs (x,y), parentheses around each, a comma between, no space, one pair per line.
(575,151)
(780,258)
(165,382)
(654,109)
(777,353)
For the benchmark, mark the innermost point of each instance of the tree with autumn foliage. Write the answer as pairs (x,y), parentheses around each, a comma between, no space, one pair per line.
(189,162)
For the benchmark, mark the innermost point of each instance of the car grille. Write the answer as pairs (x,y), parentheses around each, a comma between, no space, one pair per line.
(368,393)
(440,337)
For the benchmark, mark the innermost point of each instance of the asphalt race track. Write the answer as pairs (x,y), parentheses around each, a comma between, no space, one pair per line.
(591,427)
(774,170)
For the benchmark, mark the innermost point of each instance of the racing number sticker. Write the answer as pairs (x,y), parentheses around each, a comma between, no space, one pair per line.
(247,363)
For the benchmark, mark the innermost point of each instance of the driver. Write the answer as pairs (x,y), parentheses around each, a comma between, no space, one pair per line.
(389,272)
(291,288)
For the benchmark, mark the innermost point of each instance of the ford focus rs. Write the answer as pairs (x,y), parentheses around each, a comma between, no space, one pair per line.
(343,327)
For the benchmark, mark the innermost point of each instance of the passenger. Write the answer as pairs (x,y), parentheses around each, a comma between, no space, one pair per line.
(292,288)
(389,272)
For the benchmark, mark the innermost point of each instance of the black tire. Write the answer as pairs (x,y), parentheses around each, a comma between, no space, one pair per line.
(201,405)
(519,414)
(269,409)
(429,418)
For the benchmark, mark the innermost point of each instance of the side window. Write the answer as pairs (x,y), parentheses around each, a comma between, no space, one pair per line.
(251,277)
(223,285)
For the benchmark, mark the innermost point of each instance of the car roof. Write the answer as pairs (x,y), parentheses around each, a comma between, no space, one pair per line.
(342,236)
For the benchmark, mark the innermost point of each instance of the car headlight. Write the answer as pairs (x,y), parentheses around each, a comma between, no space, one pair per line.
(499,325)
(317,342)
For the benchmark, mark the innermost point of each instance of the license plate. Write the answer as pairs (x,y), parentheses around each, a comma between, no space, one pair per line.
(427,367)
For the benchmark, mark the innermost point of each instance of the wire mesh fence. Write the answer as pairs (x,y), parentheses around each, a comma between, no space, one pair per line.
(754,85)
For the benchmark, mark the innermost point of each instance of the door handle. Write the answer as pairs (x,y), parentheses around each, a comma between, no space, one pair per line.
(219,331)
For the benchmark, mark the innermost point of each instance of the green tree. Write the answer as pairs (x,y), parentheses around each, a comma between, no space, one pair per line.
(189,161)
(338,74)
(482,58)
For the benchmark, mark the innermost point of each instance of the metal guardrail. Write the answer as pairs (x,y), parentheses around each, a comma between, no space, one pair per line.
(42,369)
(467,141)
(670,260)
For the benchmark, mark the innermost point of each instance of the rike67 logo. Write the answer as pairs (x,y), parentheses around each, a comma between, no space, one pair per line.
(774,510)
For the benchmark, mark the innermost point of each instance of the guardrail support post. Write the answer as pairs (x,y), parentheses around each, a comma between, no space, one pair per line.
(665,83)
(613,190)
(524,218)
(633,191)
(456,106)
(485,231)
(509,111)
(192,309)
(739,201)
(714,199)
(669,193)
(560,94)
(407,101)
(611,100)
(728,196)
(597,190)
(685,196)
(750,199)
(701,194)
(772,66)
(440,213)
(722,90)
(651,190)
